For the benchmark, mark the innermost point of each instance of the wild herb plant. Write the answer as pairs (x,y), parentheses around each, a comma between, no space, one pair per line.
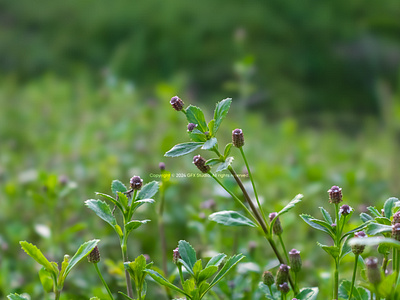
(203,135)
(196,286)
(127,202)
(51,276)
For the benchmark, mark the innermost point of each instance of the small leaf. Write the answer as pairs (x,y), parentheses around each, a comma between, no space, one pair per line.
(216,260)
(383,220)
(227,150)
(326,225)
(137,268)
(388,206)
(231,262)
(374,211)
(375,228)
(118,186)
(358,228)
(125,296)
(114,201)
(37,255)
(308,294)
(161,280)
(231,218)
(122,199)
(148,190)
(197,268)
(372,241)
(346,249)
(102,210)
(46,279)
(182,149)
(358,293)
(207,273)
(223,166)
(203,288)
(16,297)
(365,217)
(331,250)
(220,112)
(197,136)
(308,219)
(132,225)
(213,161)
(188,254)
(211,127)
(82,252)
(189,286)
(195,115)
(209,144)
(326,215)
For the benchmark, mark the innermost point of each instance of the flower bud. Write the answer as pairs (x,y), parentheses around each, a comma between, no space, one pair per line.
(200,163)
(277,227)
(396,218)
(282,275)
(284,288)
(161,165)
(176,103)
(345,210)
(268,278)
(335,194)
(396,231)
(237,138)
(136,183)
(358,249)
(191,126)
(94,255)
(373,272)
(176,256)
(295,260)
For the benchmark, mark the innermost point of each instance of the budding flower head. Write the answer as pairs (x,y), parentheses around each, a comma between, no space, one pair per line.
(284,288)
(373,272)
(200,163)
(176,256)
(396,218)
(237,138)
(176,103)
(396,231)
(94,255)
(161,165)
(335,194)
(358,249)
(191,126)
(268,278)
(283,274)
(295,260)
(277,227)
(345,210)
(136,183)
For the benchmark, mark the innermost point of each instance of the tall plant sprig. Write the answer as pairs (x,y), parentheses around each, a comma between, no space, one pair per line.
(203,135)
(127,202)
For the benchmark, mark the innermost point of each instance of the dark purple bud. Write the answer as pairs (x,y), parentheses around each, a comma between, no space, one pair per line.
(136,183)
(268,278)
(396,218)
(345,210)
(191,126)
(237,138)
(208,204)
(283,274)
(382,212)
(94,256)
(161,165)
(176,103)
(356,248)
(277,227)
(295,260)
(176,256)
(284,288)
(396,231)
(63,180)
(335,194)
(147,257)
(373,271)
(200,163)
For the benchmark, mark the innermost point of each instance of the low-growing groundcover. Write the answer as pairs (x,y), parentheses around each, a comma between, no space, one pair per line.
(379,277)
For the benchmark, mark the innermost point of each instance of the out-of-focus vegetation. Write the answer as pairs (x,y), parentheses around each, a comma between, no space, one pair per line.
(84,97)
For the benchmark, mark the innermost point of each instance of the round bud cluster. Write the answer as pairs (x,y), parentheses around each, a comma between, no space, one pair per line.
(94,255)
(161,165)
(176,256)
(284,288)
(295,260)
(373,272)
(176,103)
(282,275)
(237,138)
(268,278)
(277,227)
(345,210)
(200,163)
(191,126)
(358,249)
(335,194)
(136,183)
(396,231)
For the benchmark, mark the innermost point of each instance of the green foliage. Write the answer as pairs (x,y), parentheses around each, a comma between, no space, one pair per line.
(231,218)
(182,149)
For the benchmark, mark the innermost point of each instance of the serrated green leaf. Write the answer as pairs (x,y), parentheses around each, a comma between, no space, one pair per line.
(123,200)
(358,293)
(134,224)
(308,219)
(188,255)
(308,294)
(182,149)
(209,144)
(213,161)
(148,190)
(346,249)
(365,217)
(102,210)
(189,286)
(16,297)
(197,267)
(220,112)
(203,288)
(358,228)
(326,215)
(331,250)
(137,268)
(374,211)
(231,218)
(223,166)
(197,136)
(211,127)
(37,255)
(383,220)
(376,228)
(288,207)
(216,260)
(326,225)
(389,205)
(227,149)
(46,279)
(161,280)
(82,252)
(230,263)
(195,115)
(207,273)
(372,241)
(114,201)
(118,186)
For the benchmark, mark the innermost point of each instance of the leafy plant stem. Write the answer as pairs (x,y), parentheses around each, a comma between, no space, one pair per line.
(252,183)
(103,281)
(394,262)
(295,280)
(270,291)
(130,213)
(283,247)
(58,293)
(129,289)
(384,263)
(181,274)
(162,231)
(336,278)
(354,275)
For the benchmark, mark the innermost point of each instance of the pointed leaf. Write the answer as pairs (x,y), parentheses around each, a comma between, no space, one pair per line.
(326,225)
(195,115)
(189,286)
(223,166)
(148,190)
(125,296)
(326,215)
(231,218)
(216,260)
(37,255)
(308,294)
(213,161)
(188,254)
(197,268)
(308,219)
(288,207)
(123,200)
(365,217)
(207,273)
(136,268)
(82,252)
(211,127)
(16,297)
(220,112)
(230,263)
(161,280)
(375,228)
(182,149)
(118,186)
(114,201)
(388,206)
(331,250)
(209,144)
(358,228)
(197,136)
(134,224)
(102,209)
(46,279)
(227,150)
(358,293)
(372,241)
(375,213)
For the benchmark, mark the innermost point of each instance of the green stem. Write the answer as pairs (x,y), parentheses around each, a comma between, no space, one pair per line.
(252,183)
(270,291)
(384,263)
(181,274)
(336,278)
(296,281)
(354,275)
(394,262)
(283,247)
(58,293)
(103,281)
(130,213)
(129,289)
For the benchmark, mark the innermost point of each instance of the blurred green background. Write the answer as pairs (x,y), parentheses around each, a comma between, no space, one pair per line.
(84,98)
